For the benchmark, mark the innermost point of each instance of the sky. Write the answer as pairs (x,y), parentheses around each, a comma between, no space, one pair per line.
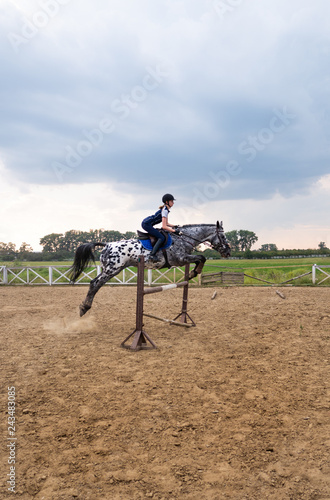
(108,104)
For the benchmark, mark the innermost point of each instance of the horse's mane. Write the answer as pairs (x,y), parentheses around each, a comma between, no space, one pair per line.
(198,225)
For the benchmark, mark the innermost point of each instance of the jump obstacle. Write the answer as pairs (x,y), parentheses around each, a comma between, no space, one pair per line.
(182,319)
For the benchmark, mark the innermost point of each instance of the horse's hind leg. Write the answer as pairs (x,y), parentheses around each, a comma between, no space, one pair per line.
(94,287)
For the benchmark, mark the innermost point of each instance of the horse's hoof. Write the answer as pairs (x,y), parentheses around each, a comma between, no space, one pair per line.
(192,274)
(83,309)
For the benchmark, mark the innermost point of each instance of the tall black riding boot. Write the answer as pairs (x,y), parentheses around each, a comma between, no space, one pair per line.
(155,249)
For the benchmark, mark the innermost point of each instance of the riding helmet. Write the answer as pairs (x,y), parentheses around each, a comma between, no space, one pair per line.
(168,197)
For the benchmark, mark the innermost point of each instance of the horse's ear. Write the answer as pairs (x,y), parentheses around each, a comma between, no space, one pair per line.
(218,224)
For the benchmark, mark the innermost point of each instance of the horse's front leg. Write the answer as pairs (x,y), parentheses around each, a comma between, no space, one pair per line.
(199,261)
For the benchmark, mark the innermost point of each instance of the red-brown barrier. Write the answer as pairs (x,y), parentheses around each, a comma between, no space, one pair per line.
(140,337)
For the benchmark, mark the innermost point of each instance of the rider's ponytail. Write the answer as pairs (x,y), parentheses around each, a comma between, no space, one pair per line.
(161,207)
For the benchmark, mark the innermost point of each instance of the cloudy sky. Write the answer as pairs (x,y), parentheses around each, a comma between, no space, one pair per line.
(108,104)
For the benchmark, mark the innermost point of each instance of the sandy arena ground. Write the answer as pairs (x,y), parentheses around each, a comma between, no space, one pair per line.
(236,408)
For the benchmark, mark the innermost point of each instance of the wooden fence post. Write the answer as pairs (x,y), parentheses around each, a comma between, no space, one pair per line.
(314,274)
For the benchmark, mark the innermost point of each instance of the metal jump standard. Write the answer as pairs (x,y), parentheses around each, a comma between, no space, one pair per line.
(140,337)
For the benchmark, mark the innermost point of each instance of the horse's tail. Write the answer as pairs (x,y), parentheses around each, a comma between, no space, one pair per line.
(83,256)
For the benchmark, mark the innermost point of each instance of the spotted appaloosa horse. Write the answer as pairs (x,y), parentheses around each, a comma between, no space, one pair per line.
(117,255)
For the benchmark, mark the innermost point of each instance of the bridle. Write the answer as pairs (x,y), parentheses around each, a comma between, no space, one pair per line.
(218,232)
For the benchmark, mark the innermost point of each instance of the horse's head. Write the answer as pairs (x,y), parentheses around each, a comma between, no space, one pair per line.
(219,241)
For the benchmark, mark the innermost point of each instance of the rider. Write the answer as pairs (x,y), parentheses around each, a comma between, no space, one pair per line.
(160,216)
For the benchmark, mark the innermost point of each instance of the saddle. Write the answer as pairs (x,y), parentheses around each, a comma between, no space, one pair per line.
(146,236)
(148,241)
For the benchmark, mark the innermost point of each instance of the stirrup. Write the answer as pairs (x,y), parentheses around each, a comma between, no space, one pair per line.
(154,258)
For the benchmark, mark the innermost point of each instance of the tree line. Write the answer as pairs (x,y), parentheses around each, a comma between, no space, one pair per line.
(69,241)
(61,246)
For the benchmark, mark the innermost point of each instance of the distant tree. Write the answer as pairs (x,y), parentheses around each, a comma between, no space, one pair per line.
(25,248)
(110,235)
(129,235)
(8,247)
(246,239)
(268,247)
(70,240)
(8,251)
(51,242)
(233,240)
(322,245)
(241,240)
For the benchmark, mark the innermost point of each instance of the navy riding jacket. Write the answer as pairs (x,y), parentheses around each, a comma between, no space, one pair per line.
(157,217)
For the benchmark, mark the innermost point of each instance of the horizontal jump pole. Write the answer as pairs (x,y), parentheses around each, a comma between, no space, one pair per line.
(162,288)
(259,279)
(296,278)
(170,321)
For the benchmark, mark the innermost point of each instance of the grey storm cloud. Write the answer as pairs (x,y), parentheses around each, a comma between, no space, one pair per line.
(177,90)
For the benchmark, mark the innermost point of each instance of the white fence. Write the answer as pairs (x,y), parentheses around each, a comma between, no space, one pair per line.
(58,275)
(321,269)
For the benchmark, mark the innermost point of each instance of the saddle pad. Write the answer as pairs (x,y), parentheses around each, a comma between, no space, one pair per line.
(147,244)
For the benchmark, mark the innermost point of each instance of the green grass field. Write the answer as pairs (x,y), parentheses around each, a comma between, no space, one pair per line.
(272,270)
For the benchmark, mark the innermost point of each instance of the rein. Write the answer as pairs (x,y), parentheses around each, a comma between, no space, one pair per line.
(202,241)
